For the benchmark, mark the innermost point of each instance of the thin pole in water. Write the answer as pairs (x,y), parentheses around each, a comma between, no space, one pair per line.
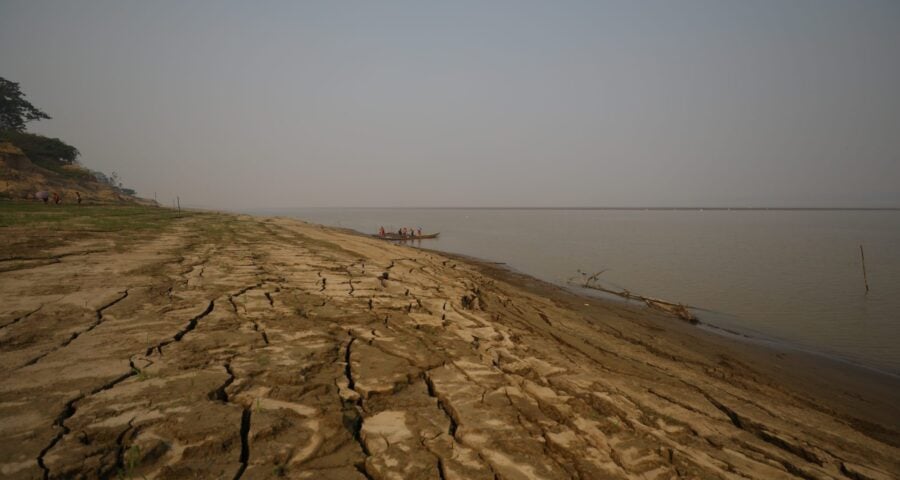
(862,257)
(179,203)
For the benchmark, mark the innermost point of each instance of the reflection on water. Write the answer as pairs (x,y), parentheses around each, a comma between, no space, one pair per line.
(789,275)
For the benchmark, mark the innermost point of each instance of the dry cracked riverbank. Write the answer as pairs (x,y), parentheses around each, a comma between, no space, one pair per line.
(234,347)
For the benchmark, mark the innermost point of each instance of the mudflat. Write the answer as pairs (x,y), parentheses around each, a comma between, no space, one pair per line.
(148,343)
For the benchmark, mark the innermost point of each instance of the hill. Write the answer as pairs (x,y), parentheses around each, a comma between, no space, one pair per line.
(23,176)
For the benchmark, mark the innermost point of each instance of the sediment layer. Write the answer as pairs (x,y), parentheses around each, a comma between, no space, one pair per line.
(237,347)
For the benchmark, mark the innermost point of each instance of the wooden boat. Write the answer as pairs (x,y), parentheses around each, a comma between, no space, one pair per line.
(395,237)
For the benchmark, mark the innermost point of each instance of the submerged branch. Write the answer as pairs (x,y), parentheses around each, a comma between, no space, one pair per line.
(679,310)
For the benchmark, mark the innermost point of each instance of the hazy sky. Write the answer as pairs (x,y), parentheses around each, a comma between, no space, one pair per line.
(458,103)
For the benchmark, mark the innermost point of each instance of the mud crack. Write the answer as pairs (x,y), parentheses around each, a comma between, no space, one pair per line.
(348,371)
(49,257)
(68,411)
(245,443)
(760,432)
(120,447)
(73,336)
(220,393)
(23,317)
(192,324)
(442,405)
(353,415)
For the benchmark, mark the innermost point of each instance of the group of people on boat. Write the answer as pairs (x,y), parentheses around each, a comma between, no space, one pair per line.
(403,232)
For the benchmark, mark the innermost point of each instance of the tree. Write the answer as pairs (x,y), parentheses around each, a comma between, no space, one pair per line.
(15,111)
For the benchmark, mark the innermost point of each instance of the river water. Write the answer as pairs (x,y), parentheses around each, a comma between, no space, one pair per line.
(791,276)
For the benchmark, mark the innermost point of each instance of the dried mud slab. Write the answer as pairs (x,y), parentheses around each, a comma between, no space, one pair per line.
(269,348)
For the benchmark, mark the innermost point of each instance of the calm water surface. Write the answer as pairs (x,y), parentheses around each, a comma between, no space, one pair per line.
(791,276)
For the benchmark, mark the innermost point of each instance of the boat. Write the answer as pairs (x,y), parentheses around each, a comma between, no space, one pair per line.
(395,237)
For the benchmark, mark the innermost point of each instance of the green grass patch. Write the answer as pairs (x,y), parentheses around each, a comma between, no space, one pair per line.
(216,227)
(93,218)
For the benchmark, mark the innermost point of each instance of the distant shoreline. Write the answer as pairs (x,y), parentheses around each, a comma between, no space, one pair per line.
(754,209)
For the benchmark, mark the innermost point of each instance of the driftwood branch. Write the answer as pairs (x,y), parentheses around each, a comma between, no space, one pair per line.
(862,257)
(679,310)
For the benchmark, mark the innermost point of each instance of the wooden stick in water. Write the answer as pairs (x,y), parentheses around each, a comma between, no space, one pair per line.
(862,257)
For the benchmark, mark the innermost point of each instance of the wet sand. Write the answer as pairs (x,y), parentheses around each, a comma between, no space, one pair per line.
(242,347)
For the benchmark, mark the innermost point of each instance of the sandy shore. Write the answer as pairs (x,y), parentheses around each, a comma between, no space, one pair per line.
(219,346)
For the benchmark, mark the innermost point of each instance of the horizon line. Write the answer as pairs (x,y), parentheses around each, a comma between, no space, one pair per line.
(586,208)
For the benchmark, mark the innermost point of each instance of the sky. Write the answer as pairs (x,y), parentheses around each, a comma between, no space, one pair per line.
(637,103)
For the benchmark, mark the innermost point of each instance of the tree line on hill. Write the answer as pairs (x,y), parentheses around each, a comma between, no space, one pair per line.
(46,152)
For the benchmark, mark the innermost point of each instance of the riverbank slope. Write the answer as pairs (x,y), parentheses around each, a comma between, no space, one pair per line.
(146,342)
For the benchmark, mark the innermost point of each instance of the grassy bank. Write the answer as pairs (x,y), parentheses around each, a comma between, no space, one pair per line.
(31,229)
(85,218)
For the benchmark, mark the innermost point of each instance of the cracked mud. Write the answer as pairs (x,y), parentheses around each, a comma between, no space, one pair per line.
(279,349)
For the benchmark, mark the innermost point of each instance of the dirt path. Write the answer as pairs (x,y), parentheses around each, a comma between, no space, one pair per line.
(265,348)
